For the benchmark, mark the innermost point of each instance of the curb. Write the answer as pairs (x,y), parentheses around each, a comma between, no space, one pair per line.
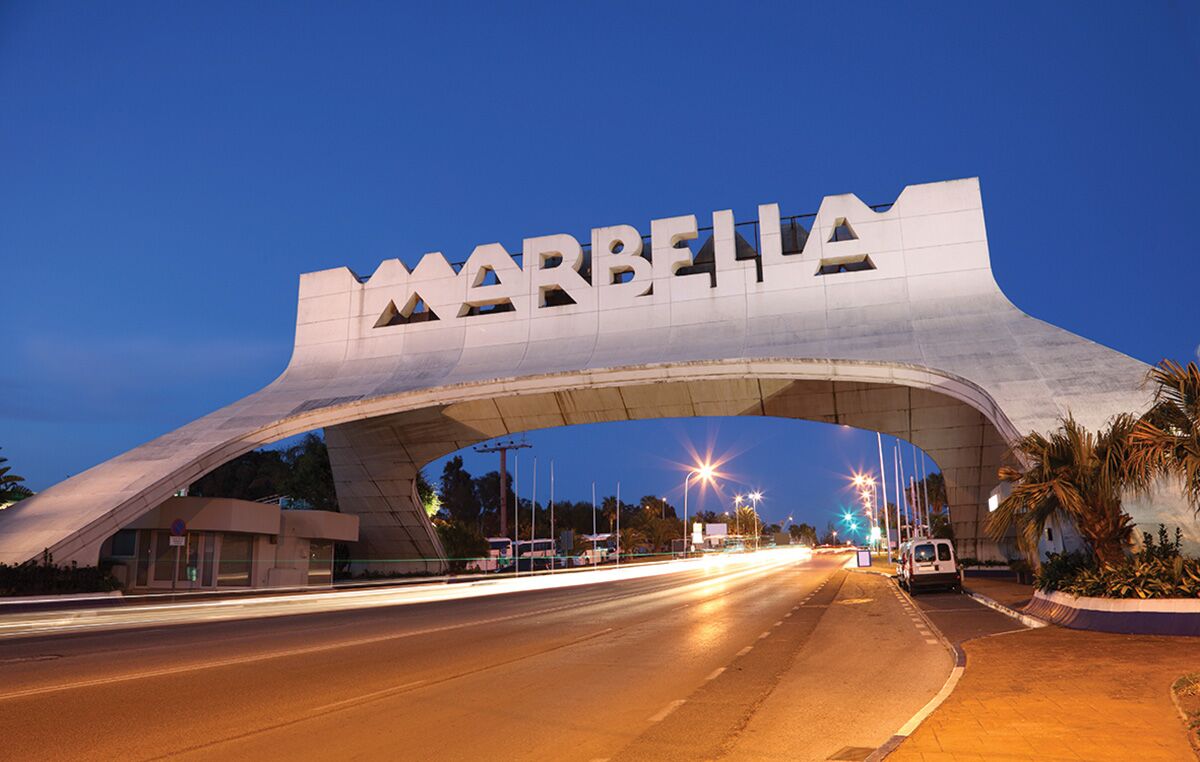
(960,666)
(1025,619)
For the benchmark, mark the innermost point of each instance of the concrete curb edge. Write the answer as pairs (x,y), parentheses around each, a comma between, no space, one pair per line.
(1025,619)
(960,666)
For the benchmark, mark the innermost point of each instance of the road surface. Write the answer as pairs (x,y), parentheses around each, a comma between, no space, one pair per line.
(766,655)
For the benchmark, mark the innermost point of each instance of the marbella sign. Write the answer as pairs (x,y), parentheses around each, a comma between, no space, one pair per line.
(556,276)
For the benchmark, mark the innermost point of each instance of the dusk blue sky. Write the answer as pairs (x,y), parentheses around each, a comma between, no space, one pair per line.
(168,169)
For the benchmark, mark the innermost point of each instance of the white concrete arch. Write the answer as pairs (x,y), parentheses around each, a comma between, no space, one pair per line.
(904,300)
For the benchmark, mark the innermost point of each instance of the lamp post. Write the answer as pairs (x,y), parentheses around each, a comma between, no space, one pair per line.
(705,472)
(755,497)
(737,513)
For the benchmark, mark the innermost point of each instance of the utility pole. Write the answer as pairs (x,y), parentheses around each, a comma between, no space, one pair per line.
(516,513)
(503,448)
(883,487)
(618,525)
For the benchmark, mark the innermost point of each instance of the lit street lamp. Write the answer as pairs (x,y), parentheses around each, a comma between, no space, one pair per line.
(755,496)
(705,472)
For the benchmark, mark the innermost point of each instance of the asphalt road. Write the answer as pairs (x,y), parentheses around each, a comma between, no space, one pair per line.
(752,657)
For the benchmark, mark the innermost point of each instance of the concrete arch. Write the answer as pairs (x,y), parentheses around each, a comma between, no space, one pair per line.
(376,459)
(918,314)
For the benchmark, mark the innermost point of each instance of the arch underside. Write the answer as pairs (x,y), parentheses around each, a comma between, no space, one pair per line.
(375,460)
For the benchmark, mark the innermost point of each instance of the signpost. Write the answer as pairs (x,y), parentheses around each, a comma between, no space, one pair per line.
(178,540)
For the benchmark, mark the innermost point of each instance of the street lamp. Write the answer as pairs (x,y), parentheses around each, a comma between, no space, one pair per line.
(737,512)
(705,472)
(755,496)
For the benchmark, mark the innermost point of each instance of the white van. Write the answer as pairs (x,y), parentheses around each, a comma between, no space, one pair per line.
(928,563)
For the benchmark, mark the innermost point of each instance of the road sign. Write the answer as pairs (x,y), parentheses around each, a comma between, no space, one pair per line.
(178,541)
(864,558)
(178,528)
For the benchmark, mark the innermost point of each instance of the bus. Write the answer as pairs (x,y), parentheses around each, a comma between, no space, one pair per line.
(535,554)
(500,555)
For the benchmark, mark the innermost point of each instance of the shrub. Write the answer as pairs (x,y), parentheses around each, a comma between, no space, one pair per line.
(46,578)
(1159,570)
(1061,568)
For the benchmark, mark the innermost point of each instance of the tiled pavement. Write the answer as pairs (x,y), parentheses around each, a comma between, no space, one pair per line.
(1057,694)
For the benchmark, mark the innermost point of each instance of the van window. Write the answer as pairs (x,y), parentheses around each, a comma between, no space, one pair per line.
(943,552)
(922,553)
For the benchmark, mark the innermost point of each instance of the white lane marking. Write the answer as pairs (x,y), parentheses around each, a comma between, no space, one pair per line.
(745,651)
(764,635)
(666,710)
(714,674)
(777,623)
(785,616)
(931,641)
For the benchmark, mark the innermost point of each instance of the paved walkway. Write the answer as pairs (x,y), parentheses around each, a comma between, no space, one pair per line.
(1057,694)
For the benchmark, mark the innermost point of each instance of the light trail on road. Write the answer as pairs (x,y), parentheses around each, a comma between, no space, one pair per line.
(639,663)
(721,567)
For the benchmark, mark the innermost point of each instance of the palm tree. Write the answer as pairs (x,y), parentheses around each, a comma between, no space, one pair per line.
(1070,474)
(631,538)
(10,484)
(1166,440)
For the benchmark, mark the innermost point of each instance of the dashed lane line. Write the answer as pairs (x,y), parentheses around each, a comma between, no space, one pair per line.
(666,710)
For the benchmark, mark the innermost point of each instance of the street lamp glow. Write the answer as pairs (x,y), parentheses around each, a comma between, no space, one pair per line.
(756,496)
(705,472)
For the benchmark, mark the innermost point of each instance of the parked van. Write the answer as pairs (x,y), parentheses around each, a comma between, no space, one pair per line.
(927,563)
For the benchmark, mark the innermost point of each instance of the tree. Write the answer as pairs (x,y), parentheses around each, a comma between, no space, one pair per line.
(631,539)
(1166,440)
(487,490)
(1070,474)
(608,510)
(831,535)
(431,502)
(936,484)
(658,506)
(461,542)
(803,533)
(11,488)
(309,477)
(942,528)
(254,475)
(459,500)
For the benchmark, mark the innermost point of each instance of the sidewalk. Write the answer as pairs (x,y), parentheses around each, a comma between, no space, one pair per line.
(1057,694)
